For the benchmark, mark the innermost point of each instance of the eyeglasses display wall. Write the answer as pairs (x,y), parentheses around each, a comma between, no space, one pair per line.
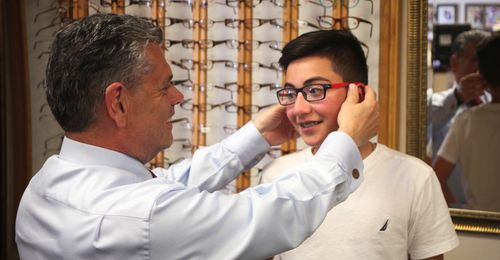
(223,54)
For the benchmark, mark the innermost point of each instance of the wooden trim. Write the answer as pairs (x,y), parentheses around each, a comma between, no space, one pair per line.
(390,20)
(416,81)
(290,32)
(476,221)
(244,78)
(200,77)
(118,7)
(16,125)
(3,139)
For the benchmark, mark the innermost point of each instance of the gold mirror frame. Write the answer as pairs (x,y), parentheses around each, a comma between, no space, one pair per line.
(464,220)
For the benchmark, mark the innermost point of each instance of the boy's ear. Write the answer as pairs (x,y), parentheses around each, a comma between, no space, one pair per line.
(115,105)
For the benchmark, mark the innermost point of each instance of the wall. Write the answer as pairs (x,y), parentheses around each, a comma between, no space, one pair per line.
(475,246)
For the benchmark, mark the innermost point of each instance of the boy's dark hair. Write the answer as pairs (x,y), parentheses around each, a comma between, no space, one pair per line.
(341,47)
(488,55)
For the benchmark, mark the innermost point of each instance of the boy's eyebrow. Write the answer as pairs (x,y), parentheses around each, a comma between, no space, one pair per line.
(309,81)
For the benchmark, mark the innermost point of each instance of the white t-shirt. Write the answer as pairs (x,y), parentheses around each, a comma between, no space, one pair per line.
(474,142)
(399,210)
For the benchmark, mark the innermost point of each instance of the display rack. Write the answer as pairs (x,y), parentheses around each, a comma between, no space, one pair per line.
(258,24)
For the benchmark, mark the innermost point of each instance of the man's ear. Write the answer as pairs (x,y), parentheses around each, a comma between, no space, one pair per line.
(114,98)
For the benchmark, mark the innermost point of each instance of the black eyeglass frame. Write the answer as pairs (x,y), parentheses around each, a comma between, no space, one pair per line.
(326,86)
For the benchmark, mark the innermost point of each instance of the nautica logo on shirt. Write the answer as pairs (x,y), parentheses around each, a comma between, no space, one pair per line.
(384,227)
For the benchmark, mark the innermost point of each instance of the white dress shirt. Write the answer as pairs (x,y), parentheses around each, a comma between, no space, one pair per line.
(93,203)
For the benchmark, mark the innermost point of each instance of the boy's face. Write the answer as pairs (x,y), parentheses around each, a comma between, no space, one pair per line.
(314,120)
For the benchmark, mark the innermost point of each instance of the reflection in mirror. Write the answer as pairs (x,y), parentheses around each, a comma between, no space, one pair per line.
(455,90)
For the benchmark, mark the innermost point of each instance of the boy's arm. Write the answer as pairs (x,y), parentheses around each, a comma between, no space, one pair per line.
(443,169)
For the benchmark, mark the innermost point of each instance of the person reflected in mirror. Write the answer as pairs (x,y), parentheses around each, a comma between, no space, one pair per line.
(474,139)
(399,212)
(110,88)
(468,90)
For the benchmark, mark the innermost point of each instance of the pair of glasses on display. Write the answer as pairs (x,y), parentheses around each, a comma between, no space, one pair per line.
(277,22)
(230,43)
(249,88)
(186,124)
(186,144)
(253,3)
(61,19)
(111,3)
(348,22)
(229,106)
(229,86)
(333,3)
(312,92)
(190,3)
(189,64)
(202,107)
(235,23)
(56,6)
(202,87)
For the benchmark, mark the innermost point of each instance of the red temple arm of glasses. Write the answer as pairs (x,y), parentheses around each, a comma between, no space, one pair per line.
(361,88)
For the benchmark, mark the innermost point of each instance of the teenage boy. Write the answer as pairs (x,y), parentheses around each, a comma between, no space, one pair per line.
(399,212)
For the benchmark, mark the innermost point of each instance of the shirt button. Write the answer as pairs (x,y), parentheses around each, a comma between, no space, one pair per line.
(355,173)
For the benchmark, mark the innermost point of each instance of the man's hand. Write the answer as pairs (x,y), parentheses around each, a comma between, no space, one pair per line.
(359,119)
(273,124)
(471,86)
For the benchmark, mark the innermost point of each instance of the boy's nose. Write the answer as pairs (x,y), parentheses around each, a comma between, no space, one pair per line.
(301,105)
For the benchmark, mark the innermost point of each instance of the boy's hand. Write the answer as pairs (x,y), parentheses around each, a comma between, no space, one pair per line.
(360,120)
(274,125)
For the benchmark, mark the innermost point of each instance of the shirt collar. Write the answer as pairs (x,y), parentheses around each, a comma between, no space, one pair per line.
(86,154)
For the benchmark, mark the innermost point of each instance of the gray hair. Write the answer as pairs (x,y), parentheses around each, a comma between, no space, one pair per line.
(87,56)
(465,38)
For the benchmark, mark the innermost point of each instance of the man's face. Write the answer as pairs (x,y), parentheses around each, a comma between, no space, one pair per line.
(151,106)
(314,120)
(465,63)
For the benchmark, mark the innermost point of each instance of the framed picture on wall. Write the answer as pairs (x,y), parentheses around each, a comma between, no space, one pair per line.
(474,15)
(483,16)
(492,16)
(446,13)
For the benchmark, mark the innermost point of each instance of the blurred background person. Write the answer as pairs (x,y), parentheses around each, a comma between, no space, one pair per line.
(467,91)
(474,139)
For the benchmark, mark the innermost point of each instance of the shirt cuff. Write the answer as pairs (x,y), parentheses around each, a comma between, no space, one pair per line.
(343,150)
(248,143)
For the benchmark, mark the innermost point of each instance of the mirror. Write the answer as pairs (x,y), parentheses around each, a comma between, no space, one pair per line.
(419,76)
